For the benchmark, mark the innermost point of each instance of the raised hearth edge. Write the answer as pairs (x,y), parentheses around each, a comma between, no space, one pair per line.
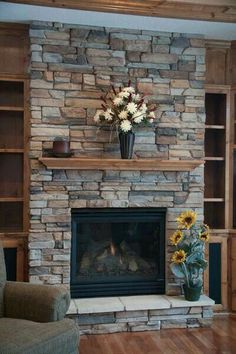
(140,313)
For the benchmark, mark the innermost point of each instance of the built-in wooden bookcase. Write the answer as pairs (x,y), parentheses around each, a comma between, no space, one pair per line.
(14,195)
(13,156)
(215,156)
(220,171)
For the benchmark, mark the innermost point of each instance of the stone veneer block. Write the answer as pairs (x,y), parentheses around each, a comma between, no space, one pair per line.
(179,301)
(97,305)
(98,318)
(144,302)
(134,327)
(109,328)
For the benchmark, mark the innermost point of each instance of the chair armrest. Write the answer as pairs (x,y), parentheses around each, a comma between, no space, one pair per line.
(39,303)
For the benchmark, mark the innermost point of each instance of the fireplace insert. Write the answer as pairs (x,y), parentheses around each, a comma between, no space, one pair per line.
(117,251)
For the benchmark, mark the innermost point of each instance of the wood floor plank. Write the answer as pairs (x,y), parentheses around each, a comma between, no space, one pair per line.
(155,346)
(220,339)
(184,344)
(205,339)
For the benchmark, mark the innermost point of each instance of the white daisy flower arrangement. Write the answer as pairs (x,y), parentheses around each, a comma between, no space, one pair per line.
(124,108)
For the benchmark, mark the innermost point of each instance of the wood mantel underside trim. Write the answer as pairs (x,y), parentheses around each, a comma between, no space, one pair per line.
(211,10)
(76,163)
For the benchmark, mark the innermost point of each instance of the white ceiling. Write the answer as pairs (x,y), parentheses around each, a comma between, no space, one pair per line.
(10,12)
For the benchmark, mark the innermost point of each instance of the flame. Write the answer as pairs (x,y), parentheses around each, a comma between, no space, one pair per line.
(113,249)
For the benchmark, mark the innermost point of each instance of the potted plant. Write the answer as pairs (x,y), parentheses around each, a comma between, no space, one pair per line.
(123,109)
(188,261)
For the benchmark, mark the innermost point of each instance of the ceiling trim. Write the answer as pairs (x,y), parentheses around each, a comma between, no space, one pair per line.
(210,10)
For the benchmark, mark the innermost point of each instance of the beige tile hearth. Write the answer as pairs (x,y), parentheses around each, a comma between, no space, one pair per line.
(133,303)
(140,313)
(144,302)
(98,305)
(179,301)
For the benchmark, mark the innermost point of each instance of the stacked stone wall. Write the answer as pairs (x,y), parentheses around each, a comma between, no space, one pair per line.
(71,65)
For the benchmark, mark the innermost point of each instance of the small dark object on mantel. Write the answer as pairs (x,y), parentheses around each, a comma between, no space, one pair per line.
(126,144)
(61,148)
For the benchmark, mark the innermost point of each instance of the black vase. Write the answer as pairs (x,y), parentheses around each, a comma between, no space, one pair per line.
(126,144)
(192,294)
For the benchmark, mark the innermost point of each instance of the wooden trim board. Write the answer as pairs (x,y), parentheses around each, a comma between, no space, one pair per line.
(19,244)
(223,240)
(76,163)
(212,10)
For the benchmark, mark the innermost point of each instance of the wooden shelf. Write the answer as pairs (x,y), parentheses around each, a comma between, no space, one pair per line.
(213,126)
(216,88)
(214,158)
(11,199)
(11,108)
(12,151)
(7,229)
(213,200)
(13,234)
(76,163)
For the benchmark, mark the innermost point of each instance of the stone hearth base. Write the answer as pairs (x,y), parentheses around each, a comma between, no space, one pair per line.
(139,313)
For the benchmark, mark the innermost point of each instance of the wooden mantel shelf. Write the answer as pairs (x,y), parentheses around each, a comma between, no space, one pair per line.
(78,163)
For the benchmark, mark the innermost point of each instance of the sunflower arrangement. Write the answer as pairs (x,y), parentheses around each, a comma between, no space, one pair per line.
(188,260)
(124,108)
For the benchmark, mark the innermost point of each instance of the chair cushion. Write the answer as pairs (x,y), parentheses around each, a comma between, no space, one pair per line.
(2,280)
(27,337)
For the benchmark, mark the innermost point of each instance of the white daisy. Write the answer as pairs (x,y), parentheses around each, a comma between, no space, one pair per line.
(123,115)
(132,107)
(151,115)
(124,94)
(151,120)
(143,108)
(118,101)
(108,114)
(136,98)
(125,126)
(138,117)
(129,89)
(97,116)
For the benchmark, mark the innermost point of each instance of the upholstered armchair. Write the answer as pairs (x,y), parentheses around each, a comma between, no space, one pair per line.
(32,318)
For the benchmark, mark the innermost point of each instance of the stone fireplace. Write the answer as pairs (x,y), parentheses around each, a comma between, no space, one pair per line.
(70,66)
(117,251)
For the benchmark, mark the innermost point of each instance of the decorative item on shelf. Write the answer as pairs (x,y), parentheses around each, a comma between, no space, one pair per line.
(188,261)
(61,147)
(126,144)
(124,109)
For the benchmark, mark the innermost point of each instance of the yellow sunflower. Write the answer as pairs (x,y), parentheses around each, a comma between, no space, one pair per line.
(176,237)
(204,234)
(179,256)
(186,219)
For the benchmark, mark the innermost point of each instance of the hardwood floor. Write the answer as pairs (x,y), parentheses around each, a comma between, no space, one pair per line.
(221,338)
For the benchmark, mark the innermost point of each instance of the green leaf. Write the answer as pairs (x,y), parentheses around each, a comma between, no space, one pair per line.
(195,256)
(198,247)
(184,247)
(201,263)
(177,270)
(196,282)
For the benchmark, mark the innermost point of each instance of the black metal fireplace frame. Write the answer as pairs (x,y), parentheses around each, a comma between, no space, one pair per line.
(84,289)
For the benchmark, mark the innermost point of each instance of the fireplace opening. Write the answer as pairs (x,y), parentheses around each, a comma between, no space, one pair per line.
(117,251)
